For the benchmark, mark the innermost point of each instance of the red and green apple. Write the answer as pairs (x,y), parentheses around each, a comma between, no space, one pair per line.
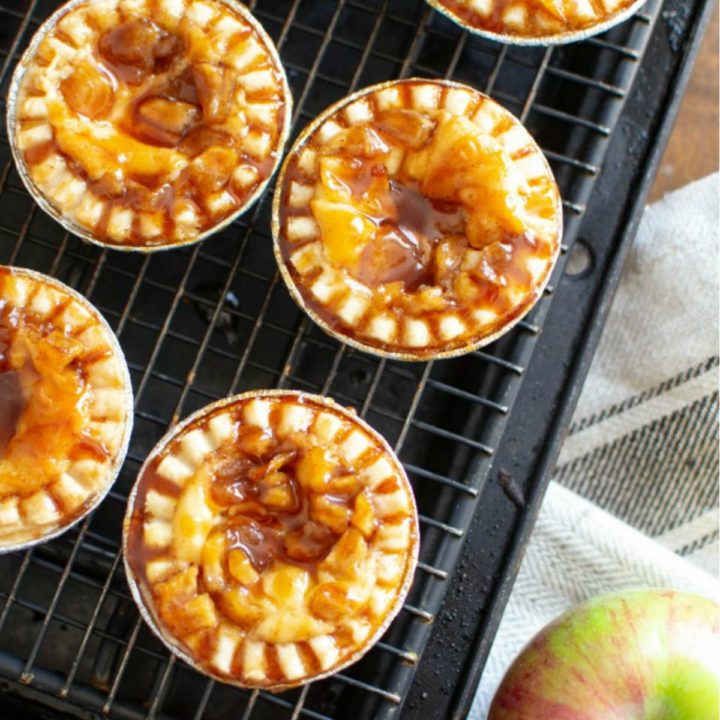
(637,655)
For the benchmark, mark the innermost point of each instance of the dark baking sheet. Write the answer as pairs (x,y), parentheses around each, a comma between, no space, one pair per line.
(197,324)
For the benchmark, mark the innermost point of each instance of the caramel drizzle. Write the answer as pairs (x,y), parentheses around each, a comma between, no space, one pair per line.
(490,293)
(11,318)
(139,555)
(550,24)
(136,197)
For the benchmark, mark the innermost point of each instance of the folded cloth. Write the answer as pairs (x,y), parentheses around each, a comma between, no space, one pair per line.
(643,443)
(577,551)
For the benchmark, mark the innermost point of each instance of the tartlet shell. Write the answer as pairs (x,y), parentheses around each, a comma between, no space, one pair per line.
(119,457)
(83,232)
(428,353)
(145,605)
(563,38)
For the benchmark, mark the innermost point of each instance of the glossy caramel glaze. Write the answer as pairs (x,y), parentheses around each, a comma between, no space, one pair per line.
(148,126)
(434,230)
(526,19)
(50,427)
(282,544)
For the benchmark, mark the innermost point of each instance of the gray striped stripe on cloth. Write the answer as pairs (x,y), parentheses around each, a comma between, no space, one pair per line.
(642,477)
(643,444)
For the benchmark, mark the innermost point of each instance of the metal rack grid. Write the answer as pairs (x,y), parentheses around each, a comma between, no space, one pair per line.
(201,323)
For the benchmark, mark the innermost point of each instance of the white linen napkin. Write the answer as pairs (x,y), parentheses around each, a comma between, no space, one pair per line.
(643,441)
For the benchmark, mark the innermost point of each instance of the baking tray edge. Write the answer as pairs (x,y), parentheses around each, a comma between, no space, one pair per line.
(427,696)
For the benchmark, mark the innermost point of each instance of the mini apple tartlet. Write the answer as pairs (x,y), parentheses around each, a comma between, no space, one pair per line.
(144,124)
(416,219)
(270,539)
(65,408)
(537,22)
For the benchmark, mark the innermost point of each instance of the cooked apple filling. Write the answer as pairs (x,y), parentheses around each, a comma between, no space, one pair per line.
(148,122)
(417,218)
(272,539)
(532,18)
(63,407)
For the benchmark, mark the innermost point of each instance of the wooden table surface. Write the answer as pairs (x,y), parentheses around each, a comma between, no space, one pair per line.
(692,151)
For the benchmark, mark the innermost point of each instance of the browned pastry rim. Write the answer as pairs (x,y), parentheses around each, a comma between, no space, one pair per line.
(139,585)
(84,232)
(408,354)
(562,38)
(125,409)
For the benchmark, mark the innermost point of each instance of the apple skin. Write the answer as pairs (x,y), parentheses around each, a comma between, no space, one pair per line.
(637,655)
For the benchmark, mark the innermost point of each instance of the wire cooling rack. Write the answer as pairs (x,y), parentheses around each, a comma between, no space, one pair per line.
(200,323)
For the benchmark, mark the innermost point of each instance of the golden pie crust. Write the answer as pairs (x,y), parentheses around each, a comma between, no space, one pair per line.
(416,219)
(271,538)
(537,22)
(145,124)
(65,408)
